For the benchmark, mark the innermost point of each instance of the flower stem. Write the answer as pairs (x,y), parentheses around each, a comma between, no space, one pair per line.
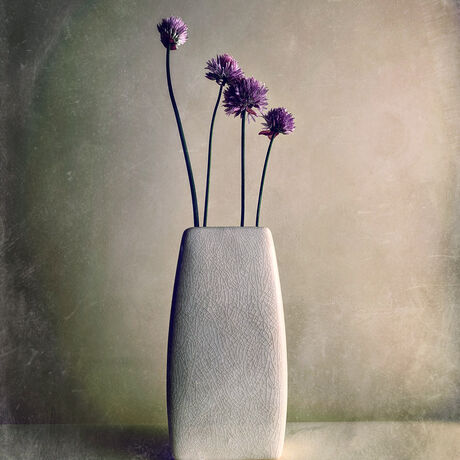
(196,220)
(208,175)
(243,128)
(259,203)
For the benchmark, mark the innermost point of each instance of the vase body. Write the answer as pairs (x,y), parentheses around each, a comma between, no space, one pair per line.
(227,366)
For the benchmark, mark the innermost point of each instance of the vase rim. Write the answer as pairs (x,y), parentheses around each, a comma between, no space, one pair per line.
(246,227)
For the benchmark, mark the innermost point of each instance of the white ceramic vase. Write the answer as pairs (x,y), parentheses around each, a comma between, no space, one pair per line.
(227,366)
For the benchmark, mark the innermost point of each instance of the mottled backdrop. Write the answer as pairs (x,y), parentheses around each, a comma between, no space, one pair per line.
(363,199)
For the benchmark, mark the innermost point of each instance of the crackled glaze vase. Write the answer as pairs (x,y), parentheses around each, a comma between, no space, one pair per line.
(227,367)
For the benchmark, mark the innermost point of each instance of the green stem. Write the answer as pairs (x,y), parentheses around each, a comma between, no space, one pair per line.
(196,220)
(259,203)
(208,175)
(243,128)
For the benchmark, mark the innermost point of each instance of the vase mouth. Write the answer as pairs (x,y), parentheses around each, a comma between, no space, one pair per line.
(227,232)
(235,228)
(220,232)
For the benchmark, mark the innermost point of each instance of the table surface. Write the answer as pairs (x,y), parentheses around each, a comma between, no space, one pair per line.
(309,441)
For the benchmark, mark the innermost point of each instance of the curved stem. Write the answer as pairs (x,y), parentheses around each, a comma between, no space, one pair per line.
(243,127)
(259,203)
(196,220)
(208,175)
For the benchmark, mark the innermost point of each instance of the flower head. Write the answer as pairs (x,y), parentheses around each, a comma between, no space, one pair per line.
(173,32)
(224,69)
(245,95)
(278,121)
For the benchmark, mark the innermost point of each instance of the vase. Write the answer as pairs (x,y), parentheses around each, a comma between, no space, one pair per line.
(227,366)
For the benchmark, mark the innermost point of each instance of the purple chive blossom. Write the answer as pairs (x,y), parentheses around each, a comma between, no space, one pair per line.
(245,95)
(278,121)
(173,32)
(224,69)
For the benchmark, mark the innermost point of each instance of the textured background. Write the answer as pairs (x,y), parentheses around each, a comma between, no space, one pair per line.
(363,199)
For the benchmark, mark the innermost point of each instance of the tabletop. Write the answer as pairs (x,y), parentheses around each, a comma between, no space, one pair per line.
(309,441)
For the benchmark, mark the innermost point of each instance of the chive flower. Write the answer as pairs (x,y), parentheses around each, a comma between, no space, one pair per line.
(240,98)
(244,96)
(278,121)
(223,69)
(173,32)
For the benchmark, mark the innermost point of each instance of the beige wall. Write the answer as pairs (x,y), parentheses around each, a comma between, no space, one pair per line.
(362,199)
